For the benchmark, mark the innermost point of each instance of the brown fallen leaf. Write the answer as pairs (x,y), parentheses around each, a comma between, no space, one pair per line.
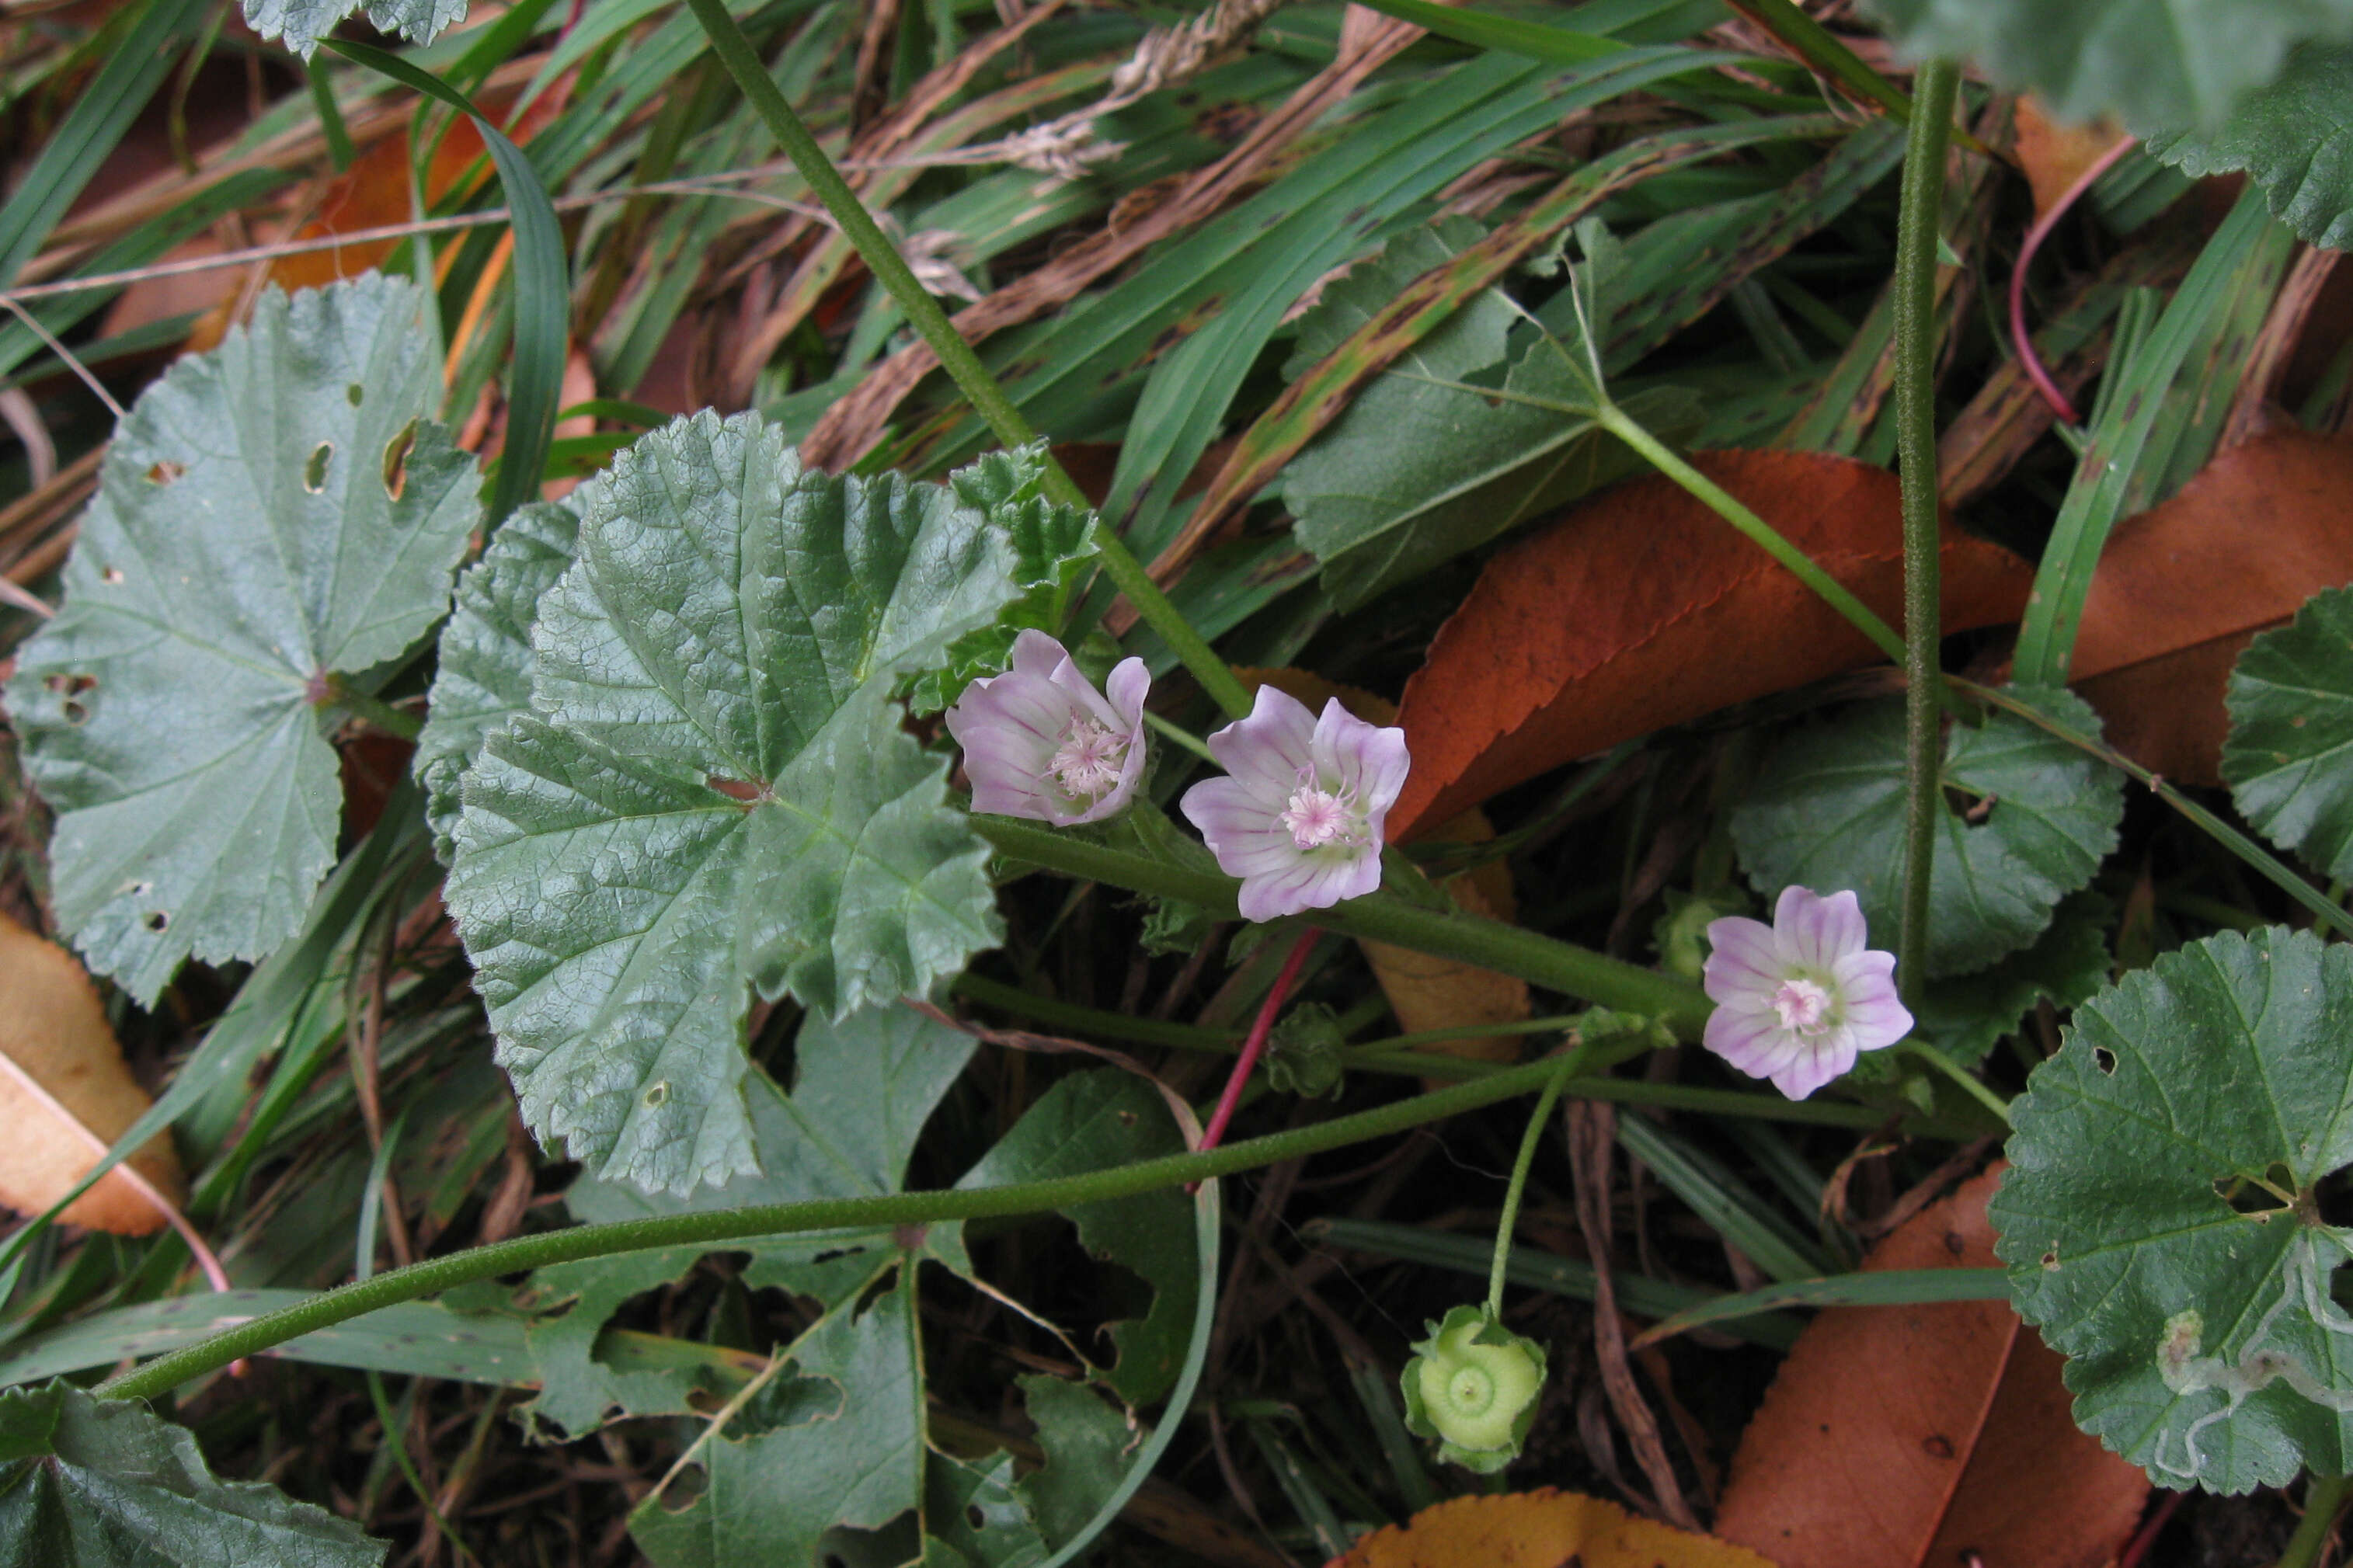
(65,1095)
(1427,993)
(2182,588)
(1641,609)
(1914,1435)
(1545,1529)
(2054,154)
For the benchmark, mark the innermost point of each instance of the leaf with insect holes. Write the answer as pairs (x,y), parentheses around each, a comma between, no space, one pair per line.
(483,676)
(302,24)
(2164,1218)
(271,514)
(87,1482)
(713,794)
(1051,547)
(2289,757)
(2291,137)
(1827,813)
(2154,64)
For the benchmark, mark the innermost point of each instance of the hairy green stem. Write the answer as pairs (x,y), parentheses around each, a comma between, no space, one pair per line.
(956,357)
(1509,1220)
(715,1227)
(1763,534)
(2324,1498)
(1383,917)
(1932,92)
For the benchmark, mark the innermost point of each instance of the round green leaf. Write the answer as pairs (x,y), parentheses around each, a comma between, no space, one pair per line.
(2292,139)
(2162,1219)
(302,24)
(1827,813)
(271,513)
(2289,756)
(483,678)
(715,793)
(2155,63)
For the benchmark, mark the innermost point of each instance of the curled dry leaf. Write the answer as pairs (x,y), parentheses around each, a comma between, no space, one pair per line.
(2182,588)
(1427,993)
(1543,1529)
(1641,609)
(65,1094)
(2055,153)
(1897,1436)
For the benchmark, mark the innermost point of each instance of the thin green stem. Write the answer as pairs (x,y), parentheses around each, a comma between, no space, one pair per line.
(2324,1498)
(988,399)
(1179,736)
(1767,538)
(1975,1087)
(1932,92)
(1383,917)
(712,1228)
(1509,1220)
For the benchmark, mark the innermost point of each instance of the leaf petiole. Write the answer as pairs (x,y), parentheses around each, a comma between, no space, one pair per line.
(1508,1221)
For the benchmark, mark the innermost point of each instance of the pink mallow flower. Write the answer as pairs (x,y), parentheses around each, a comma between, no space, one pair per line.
(1795,1001)
(1040,741)
(1299,814)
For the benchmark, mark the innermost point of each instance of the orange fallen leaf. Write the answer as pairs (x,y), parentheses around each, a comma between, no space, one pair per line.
(2182,588)
(1897,1436)
(65,1095)
(2054,154)
(1427,993)
(1543,1529)
(1641,608)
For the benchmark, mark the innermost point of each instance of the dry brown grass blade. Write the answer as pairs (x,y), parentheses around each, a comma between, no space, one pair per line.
(852,427)
(2252,410)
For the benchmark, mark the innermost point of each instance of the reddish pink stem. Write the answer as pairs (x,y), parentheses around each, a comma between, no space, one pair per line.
(2147,1538)
(2018,336)
(1252,1048)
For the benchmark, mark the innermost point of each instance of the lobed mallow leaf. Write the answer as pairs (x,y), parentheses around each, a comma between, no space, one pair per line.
(2037,816)
(2155,63)
(87,1482)
(2164,1217)
(272,514)
(2291,137)
(302,24)
(483,676)
(2288,758)
(714,792)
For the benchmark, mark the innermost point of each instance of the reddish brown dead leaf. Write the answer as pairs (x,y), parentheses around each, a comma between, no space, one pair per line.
(2182,588)
(65,1095)
(1543,1528)
(1641,608)
(1427,993)
(1897,1436)
(2055,153)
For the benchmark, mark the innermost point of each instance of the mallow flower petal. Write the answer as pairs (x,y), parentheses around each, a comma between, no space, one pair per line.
(1798,999)
(1039,742)
(1269,746)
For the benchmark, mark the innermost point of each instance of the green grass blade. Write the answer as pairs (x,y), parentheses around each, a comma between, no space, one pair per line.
(1730,1209)
(1879,1288)
(542,290)
(1533,40)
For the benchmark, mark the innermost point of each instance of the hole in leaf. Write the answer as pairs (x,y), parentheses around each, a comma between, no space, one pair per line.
(314,472)
(685,1489)
(2105,1059)
(75,713)
(164,471)
(656,1094)
(354,393)
(974,1517)
(2260,1198)
(2332,1197)
(2050,1259)
(113,574)
(70,685)
(1969,806)
(157,920)
(395,459)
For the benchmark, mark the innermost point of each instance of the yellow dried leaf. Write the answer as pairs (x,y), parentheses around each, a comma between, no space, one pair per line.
(66,1094)
(1541,1529)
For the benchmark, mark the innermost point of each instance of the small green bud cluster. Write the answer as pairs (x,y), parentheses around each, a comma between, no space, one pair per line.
(1474,1386)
